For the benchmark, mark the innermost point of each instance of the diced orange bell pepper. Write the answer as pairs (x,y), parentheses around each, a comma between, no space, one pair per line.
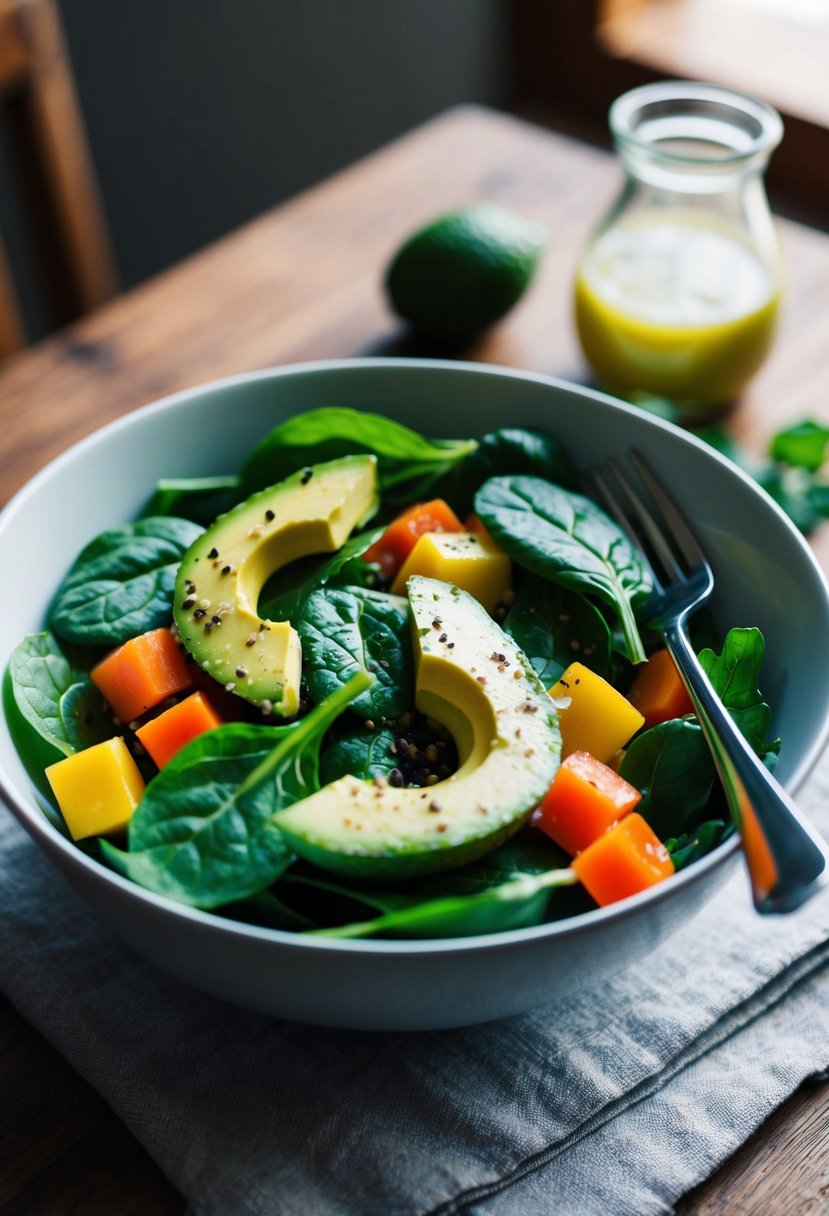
(141,674)
(585,799)
(627,859)
(167,734)
(658,692)
(400,537)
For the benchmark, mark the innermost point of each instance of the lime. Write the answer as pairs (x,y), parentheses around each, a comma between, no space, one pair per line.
(464,271)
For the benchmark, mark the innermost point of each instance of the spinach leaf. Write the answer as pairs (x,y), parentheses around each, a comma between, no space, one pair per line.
(343,630)
(408,464)
(690,847)
(553,627)
(58,701)
(198,498)
(362,753)
(515,904)
(567,539)
(672,766)
(203,832)
(735,674)
(510,450)
(122,583)
(285,592)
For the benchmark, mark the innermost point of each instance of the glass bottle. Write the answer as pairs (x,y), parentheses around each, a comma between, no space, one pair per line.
(677,291)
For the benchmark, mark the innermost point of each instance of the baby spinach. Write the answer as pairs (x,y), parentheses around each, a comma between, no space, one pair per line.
(286,591)
(122,583)
(200,499)
(203,832)
(515,904)
(362,753)
(510,450)
(408,464)
(57,699)
(566,538)
(345,629)
(672,766)
(553,627)
(735,674)
(693,845)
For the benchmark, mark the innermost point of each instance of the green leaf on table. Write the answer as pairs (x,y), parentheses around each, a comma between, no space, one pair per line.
(553,627)
(345,629)
(566,538)
(122,583)
(408,464)
(804,445)
(57,699)
(203,832)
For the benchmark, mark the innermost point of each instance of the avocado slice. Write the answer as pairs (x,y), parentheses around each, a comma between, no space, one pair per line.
(222,574)
(473,679)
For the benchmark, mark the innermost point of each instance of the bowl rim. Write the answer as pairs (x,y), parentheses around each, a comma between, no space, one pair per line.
(37,824)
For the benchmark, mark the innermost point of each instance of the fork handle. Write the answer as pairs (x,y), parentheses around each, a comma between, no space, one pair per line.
(787,860)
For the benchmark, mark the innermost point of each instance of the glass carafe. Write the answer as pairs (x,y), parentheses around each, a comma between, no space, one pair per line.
(678,289)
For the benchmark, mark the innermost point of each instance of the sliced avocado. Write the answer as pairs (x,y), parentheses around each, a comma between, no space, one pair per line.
(474,680)
(222,574)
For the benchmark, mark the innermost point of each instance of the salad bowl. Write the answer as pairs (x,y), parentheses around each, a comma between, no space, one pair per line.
(765,576)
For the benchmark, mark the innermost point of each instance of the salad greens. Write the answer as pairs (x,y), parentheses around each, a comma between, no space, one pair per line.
(205,831)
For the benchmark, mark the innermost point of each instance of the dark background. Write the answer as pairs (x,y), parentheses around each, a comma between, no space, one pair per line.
(202,113)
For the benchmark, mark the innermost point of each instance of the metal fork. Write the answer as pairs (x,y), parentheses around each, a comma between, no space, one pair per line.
(787,860)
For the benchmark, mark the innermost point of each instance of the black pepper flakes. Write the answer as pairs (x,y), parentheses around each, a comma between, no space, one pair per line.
(214,552)
(269,515)
(307,474)
(225,569)
(199,613)
(189,602)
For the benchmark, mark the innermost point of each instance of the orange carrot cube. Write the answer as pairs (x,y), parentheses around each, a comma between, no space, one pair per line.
(141,674)
(167,734)
(585,799)
(400,537)
(658,692)
(627,859)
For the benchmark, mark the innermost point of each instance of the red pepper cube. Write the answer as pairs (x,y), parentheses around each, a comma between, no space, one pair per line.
(165,736)
(585,799)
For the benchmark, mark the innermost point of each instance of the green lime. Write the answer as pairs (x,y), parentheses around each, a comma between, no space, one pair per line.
(464,271)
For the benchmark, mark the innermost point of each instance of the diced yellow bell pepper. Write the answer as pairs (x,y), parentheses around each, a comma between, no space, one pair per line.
(97,789)
(473,563)
(597,718)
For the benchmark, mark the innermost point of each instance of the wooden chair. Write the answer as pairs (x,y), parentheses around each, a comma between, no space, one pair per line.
(53,172)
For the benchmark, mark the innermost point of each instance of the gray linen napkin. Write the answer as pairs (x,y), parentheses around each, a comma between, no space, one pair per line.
(614,1103)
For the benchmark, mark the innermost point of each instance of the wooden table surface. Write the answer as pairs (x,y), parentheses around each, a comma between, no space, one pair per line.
(304,282)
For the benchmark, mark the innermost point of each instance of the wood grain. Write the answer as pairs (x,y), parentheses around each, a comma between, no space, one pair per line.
(305,282)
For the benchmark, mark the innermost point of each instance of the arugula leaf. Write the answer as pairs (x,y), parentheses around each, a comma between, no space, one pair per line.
(203,832)
(198,498)
(362,753)
(734,674)
(408,464)
(122,583)
(553,627)
(343,630)
(286,591)
(691,846)
(568,539)
(672,766)
(58,701)
(515,904)
(510,450)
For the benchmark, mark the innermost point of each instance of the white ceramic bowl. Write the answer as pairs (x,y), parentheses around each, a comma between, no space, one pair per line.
(765,576)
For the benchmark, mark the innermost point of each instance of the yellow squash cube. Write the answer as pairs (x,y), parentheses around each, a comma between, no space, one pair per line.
(98,789)
(467,560)
(598,719)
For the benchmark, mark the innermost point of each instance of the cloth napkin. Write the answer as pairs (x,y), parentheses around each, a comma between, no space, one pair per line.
(613,1103)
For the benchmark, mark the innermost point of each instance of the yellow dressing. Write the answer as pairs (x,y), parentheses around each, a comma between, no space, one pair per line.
(676,307)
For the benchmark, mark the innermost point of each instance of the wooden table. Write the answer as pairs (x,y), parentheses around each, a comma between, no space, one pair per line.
(304,282)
